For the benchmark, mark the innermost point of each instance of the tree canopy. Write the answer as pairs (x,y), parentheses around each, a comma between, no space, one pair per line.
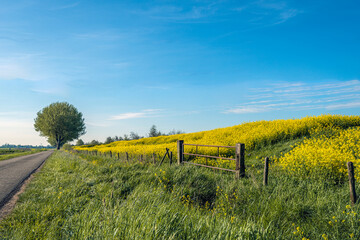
(60,122)
(79,142)
(154,132)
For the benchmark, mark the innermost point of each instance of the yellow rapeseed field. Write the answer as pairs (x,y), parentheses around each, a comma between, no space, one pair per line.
(253,134)
(325,155)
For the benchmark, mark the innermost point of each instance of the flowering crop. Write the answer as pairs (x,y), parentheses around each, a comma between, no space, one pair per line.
(325,155)
(253,134)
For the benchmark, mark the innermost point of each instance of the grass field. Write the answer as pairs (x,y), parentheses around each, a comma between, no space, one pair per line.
(87,197)
(78,196)
(7,154)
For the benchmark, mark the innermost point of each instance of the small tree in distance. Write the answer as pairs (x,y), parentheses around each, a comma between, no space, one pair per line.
(154,132)
(79,142)
(108,140)
(60,122)
(174,132)
(94,142)
(134,136)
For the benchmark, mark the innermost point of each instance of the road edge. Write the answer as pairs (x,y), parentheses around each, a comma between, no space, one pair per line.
(7,204)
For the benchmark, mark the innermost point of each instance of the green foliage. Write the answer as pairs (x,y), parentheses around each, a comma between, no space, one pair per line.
(18,153)
(154,132)
(60,122)
(92,197)
(67,147)
(79,142)
(108,140)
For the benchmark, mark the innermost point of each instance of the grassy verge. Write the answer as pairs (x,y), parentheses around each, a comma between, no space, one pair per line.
(88,197)
(19,154)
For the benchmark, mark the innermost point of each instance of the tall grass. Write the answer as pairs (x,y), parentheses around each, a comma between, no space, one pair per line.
(89,197)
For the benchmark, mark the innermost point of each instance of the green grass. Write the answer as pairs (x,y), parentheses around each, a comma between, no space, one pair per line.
(17,153)
(88,197)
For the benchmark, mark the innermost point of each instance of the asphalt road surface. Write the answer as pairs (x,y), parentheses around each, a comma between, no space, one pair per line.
(14,171)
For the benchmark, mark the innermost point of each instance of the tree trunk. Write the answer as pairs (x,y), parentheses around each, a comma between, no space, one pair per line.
(58,145)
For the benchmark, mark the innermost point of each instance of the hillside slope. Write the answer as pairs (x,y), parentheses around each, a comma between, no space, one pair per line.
(254,134)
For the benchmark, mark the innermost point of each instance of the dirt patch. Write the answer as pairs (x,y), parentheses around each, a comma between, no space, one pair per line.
(9,206)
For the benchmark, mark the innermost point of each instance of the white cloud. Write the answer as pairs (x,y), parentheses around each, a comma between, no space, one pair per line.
(244,109)
(94,124)
(344,105)
(302,96)
(11,71)
(131,115)
(176,13)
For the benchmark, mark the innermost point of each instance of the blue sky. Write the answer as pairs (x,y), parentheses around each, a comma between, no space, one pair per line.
(185,65)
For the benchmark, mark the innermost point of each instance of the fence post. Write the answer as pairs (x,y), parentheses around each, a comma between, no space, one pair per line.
(350,167)
(171,158)
(154,160)
(141,158)
(118,154)
(127,156)
(240,160)
(110,154)
(180,151)
(266,171)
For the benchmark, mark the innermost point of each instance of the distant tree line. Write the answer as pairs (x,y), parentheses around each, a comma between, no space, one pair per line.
(153,132)
(7,145)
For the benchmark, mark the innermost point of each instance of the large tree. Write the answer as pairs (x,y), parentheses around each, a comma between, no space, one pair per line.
(60,122)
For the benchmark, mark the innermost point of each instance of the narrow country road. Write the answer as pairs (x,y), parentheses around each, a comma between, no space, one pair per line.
(14,171)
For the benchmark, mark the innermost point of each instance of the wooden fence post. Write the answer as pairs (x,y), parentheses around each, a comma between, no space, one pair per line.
(110,154)
(266,171)
(350,167)
(154,158)
(240,160)
(171,158)
(118,154)
(180,151)
(141,158)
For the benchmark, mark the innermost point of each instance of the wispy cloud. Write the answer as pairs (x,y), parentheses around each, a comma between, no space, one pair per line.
(355,104)
(95,124)
(122,65)
(103,36)
(301,96)
(142,114)
(37,70)
(175,13)
(269,13)
(20,66)
(71,5)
